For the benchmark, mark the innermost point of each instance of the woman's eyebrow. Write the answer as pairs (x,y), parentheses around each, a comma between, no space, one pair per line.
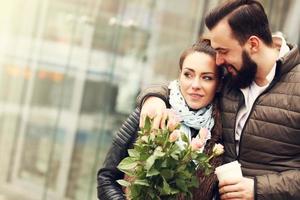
(187,68)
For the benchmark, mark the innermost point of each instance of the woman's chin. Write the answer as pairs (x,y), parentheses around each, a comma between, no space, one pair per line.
(195,106)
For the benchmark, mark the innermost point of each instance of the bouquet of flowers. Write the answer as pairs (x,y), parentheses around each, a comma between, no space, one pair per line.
(163,163)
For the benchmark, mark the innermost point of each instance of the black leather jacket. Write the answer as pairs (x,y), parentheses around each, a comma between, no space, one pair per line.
(107,188)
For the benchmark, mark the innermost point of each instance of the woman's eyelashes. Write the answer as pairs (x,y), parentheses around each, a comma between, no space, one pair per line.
(204,77)
(208,78)
(188,74)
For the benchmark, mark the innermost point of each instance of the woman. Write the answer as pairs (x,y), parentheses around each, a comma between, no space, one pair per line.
(193,98)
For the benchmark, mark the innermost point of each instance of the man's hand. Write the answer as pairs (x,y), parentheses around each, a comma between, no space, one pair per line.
(156,109)
(242,189)
(153,107)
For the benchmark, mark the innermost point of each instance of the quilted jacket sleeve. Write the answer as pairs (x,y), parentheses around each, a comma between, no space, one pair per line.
(160,91)
(279,186)
(108,188)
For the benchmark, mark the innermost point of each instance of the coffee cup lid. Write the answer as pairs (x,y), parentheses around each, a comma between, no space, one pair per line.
(227,166)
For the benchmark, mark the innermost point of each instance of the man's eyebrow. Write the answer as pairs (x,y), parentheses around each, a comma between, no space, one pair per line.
(220,49)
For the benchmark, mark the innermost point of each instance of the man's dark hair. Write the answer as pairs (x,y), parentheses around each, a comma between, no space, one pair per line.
(245,18)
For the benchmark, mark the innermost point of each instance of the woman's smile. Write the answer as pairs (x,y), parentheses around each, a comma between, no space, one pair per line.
(196,96)
(198,79)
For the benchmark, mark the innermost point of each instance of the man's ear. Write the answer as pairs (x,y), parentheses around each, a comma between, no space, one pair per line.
(253,44)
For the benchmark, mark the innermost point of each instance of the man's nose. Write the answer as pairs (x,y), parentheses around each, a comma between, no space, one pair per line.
(219,60)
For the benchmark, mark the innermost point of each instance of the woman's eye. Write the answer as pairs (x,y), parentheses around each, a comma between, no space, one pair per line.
(188,75)
(208,78)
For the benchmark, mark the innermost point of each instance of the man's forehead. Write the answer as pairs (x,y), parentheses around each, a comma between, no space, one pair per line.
(224,42)
(217,46)
(221,35)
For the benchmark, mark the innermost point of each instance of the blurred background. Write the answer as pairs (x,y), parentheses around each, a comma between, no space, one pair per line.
(70,73)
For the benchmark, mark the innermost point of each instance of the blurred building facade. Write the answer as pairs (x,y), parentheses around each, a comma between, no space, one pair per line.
(70,73)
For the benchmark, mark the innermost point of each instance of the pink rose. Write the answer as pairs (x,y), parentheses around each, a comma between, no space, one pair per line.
(174,136)
(203,133)
(173,119)
(196,144)
(172,124)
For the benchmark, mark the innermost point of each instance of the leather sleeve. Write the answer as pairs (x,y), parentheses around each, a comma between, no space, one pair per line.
(279,186)
(108,188)
(160,91)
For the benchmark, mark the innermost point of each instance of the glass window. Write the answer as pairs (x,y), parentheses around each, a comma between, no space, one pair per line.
(70,74)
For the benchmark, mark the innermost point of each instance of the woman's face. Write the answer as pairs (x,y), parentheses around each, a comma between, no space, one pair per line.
(198,79)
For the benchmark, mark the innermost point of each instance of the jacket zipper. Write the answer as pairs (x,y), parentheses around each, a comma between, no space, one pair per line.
(242,132)
(276,77)
(234,129)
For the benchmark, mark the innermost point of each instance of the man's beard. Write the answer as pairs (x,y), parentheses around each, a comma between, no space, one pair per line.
(246,75)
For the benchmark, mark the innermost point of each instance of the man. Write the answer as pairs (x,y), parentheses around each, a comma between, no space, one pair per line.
(260,102)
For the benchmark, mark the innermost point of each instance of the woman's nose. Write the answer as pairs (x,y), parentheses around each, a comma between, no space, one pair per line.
(196,84)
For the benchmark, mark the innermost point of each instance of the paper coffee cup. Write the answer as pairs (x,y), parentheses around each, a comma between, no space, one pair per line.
(229,171)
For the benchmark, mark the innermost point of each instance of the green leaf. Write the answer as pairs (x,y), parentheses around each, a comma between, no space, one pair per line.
(152,172)
(150,161)
(194,182)
(181,168)
(144,156)
(185,174)
(158,152)
(152,138)
(164,164)
(185,138)
(141,182)
(172,163)
(160,138)
(144,138)
(127,164)
(135,192)
(147,126)
(175,151)
(133,153)
(201,157)
(166,188)
(174,191)
(167,174)
(207,171)
(180,183)
(123,183)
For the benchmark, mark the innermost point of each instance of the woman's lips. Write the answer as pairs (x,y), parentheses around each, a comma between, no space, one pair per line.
(196,96)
